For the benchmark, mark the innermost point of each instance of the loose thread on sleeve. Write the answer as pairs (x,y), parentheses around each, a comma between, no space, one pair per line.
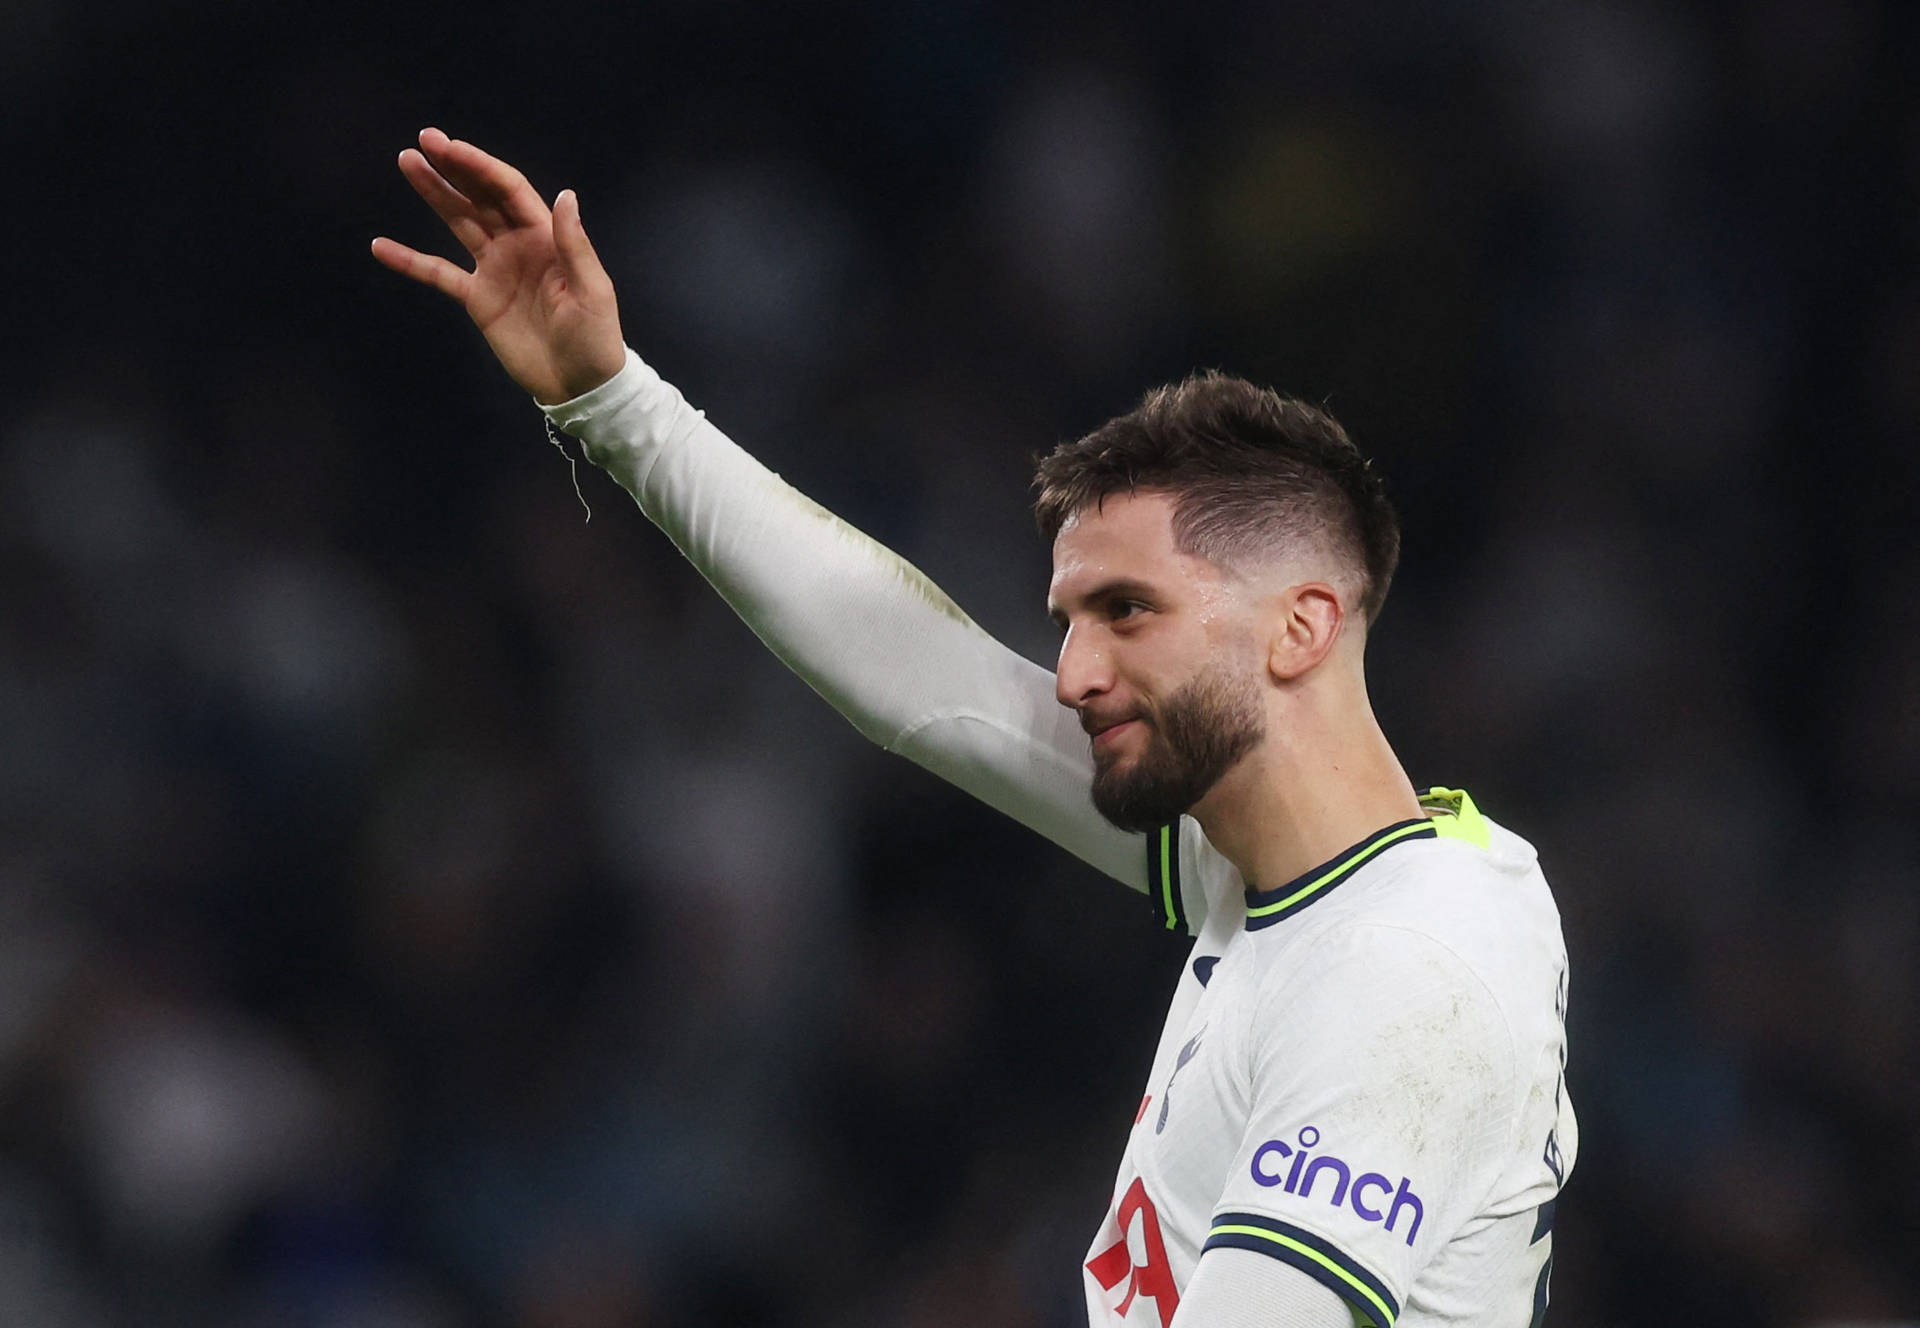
(573,466)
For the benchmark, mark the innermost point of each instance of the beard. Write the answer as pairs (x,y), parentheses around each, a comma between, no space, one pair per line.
(1198,735)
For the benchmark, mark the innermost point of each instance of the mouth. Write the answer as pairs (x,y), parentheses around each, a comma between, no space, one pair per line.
(1107,736)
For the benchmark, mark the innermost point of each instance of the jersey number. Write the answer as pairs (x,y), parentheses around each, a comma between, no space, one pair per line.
(1154,1279)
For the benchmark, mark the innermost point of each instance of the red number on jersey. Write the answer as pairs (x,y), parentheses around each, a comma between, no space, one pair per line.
(1154,1279)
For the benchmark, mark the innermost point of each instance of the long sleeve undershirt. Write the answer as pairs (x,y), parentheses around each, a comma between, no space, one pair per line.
(858,623)
(1242,1289)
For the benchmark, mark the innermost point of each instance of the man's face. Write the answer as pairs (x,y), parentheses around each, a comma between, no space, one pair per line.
(1158,660)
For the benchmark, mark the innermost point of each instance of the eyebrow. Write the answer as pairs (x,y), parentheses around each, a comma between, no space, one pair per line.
(1105,592)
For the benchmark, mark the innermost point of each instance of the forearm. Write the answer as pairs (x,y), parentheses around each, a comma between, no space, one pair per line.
(858,623)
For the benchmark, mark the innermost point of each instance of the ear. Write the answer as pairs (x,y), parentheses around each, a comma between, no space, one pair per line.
(1310,620)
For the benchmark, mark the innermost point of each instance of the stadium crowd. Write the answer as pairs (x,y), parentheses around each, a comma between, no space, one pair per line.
(426,906)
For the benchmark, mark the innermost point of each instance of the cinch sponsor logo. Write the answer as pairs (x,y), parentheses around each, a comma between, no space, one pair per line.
(1295,1169)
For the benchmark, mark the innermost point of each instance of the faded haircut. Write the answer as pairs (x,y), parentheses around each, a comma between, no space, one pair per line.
(1248,470)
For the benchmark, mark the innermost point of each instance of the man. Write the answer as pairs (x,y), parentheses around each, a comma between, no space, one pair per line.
(1356,1114)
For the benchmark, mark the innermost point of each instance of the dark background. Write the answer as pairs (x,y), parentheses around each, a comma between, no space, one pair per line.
(421,907)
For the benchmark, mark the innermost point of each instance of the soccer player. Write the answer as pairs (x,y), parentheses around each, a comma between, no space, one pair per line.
(1357,1112)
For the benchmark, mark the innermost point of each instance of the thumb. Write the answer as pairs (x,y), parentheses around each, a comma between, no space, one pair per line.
(577,257)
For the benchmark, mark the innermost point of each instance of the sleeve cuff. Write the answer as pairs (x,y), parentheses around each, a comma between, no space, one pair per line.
(574,415)
(1317,1257)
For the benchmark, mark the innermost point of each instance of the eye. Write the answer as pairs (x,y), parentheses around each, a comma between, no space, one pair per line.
(1126,608)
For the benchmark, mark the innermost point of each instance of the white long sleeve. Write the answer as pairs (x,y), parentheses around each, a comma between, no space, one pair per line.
(859,624)
(1241,1289)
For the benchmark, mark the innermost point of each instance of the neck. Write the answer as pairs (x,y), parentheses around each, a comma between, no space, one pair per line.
(1324,780)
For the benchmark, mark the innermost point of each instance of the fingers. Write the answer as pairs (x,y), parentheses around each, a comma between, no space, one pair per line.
(447,278)
(453,207)
(486,180)
(582,264)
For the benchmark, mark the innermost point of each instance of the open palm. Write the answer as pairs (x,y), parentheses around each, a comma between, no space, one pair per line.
(537,292)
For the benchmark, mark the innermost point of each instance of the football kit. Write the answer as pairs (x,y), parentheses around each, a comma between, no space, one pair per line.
(1360,1076)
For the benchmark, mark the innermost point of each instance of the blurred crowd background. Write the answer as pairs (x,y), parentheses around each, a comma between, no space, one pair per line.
(422,906)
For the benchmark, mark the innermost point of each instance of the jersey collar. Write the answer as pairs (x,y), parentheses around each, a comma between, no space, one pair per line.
(1451,815)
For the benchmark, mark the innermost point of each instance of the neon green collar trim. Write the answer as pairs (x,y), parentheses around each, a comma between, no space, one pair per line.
(1450,815)
(1455,816)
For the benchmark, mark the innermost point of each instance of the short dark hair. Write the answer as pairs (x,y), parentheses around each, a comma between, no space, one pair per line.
(1246,468)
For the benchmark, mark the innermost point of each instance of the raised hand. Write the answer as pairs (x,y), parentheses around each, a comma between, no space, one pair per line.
(537,292)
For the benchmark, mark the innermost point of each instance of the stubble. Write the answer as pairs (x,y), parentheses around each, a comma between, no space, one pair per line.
(1198,735)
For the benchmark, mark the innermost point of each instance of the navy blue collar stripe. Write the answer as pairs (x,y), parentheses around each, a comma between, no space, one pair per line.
(1266,907)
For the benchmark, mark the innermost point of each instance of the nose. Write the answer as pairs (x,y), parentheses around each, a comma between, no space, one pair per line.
(1085,670)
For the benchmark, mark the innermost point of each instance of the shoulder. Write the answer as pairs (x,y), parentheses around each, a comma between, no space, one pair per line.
(1391,1021)
(1448,961)
(1469,915)
(1486,903)
(1370,960)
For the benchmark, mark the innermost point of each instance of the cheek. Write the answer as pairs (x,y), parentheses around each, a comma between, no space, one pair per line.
(1233,643)
(1181,651)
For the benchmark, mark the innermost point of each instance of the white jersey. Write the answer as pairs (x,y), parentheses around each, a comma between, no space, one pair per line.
(1360,1076)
